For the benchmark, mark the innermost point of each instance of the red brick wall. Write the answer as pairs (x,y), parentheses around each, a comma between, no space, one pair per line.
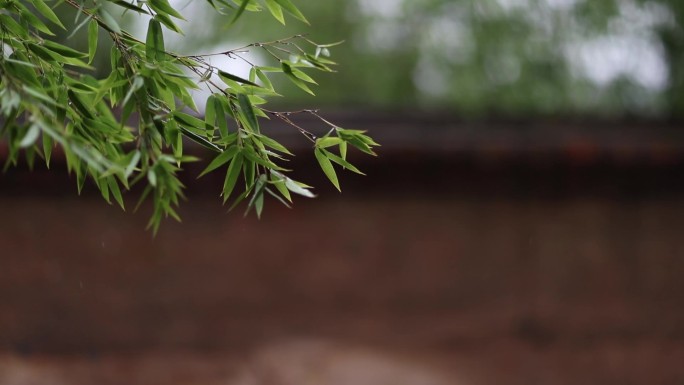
(509,264)
(80,275)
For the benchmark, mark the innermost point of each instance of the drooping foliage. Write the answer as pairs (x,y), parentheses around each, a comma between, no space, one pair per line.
(130,126)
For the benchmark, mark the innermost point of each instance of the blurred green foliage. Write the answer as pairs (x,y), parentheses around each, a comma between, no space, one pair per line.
(483,57)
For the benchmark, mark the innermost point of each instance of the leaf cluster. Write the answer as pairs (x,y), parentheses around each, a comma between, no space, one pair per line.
(131,126)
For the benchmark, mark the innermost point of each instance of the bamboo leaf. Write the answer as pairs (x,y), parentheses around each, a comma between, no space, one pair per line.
(199,140)
(46,11)
(48,144)
(276,10)
(154,43)
(287,70)
(163,7)
(274,144)
(292,9)
(232,174)
(30,137)
(220,160)
(93,32)
(129,6)
(297,189)
(342,162)
(327,168)
(240,10)
(343,150)
(116,192)
(248,111)
(228,76)
(109,21)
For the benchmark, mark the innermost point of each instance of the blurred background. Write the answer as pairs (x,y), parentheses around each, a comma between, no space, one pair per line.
(522,223)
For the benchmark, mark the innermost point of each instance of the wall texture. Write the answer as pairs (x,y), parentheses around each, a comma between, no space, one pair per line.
(516,272)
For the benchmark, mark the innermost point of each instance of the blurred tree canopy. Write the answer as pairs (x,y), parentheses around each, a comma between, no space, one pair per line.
(508,57)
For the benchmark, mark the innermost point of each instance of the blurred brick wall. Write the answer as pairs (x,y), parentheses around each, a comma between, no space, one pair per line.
(431,251)
(78,275)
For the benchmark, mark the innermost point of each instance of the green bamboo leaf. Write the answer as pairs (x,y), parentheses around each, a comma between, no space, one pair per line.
(279,183)
(264,79)
(30,137)
(343,150)
(176,139)
(46,11)
(257,200)
(210,115)
(221,119)
(138,83)
(228,76)
(199,139)
(278,197)
(104,189)
(297,189)
(249,169)
(189,120)
(109,21)
(164,19)
(20,62)
(328,142)
(331,44)
(48,144)
(240,10)
(361,145)
(129,6)
(39,95)
(248,111)
(152,177)
(239,199)
(303,76)
(276,10)
(11,25)
(287,70)
(341,162)
(163,6)
(292,9)
(49,56)
(154,43)
(78,86)
(259,204)
(269,142)
(32,19)
(252,155)
(63,50)
(81,25)
(93,32)
(327,168)
(232,175)
(220,160)
(116,192)
(135,158)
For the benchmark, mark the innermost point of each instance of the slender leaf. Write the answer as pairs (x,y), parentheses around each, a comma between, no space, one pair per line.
(248,111)
(292,9)
(240,10)
(30,137)
(276,10)
(228,76)
(220,160)
(232,174)
(327,168)
(93,32)
(46,11)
